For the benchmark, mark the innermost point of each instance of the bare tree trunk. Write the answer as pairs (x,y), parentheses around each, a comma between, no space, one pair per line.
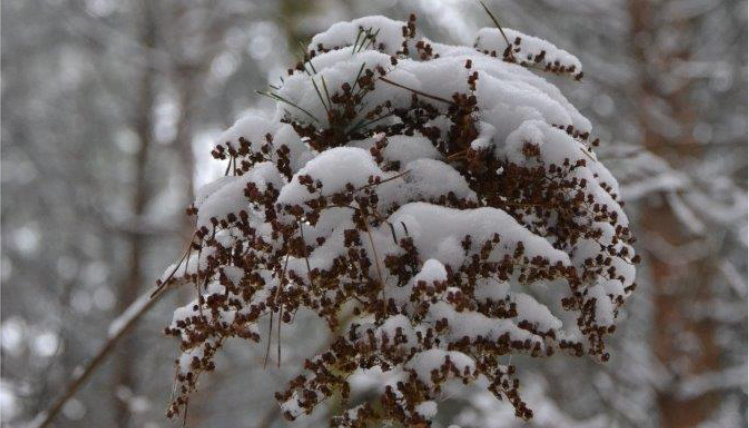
(678,285)
(677,289)
(128,291)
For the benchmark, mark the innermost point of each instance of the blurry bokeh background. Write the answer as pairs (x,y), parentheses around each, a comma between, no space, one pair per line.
(110,109)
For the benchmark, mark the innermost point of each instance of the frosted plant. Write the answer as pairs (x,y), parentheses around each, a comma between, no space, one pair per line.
(440,207)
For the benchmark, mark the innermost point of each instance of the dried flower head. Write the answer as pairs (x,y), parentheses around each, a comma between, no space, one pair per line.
(438,206)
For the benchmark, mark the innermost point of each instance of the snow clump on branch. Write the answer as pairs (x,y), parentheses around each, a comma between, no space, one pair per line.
(438,206)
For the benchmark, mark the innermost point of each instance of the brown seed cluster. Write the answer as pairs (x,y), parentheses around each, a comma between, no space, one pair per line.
(243,274)
(515,53)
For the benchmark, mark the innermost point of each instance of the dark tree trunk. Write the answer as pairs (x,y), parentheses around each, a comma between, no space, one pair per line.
(678,285)
(128,290)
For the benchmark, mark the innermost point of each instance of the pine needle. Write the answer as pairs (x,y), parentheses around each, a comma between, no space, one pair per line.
(319,95)
(327,94)
(496,22)
(358,75)
(305,58)
(415,91)
(370,39)
(356,42)
(276,97)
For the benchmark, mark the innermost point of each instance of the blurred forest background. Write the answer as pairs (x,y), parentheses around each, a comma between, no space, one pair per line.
(110,109)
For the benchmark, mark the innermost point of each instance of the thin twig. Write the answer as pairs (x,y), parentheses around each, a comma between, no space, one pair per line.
(457,155)
(185,258)
(395,177)
(228,167)
(184,417)
(278,339)
(306,256)
(270,336)
(270,328)
(377,264)
(45,418)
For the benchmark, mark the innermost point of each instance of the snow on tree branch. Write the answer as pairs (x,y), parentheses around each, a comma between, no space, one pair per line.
(439,206)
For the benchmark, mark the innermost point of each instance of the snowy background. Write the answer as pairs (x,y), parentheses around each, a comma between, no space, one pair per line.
(110,110)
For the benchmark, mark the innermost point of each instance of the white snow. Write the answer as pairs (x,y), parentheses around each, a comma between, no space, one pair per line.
(226,195)
(437,232)
(335,169)
(342,34)
(428,409)
(491,39)
(127,317)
